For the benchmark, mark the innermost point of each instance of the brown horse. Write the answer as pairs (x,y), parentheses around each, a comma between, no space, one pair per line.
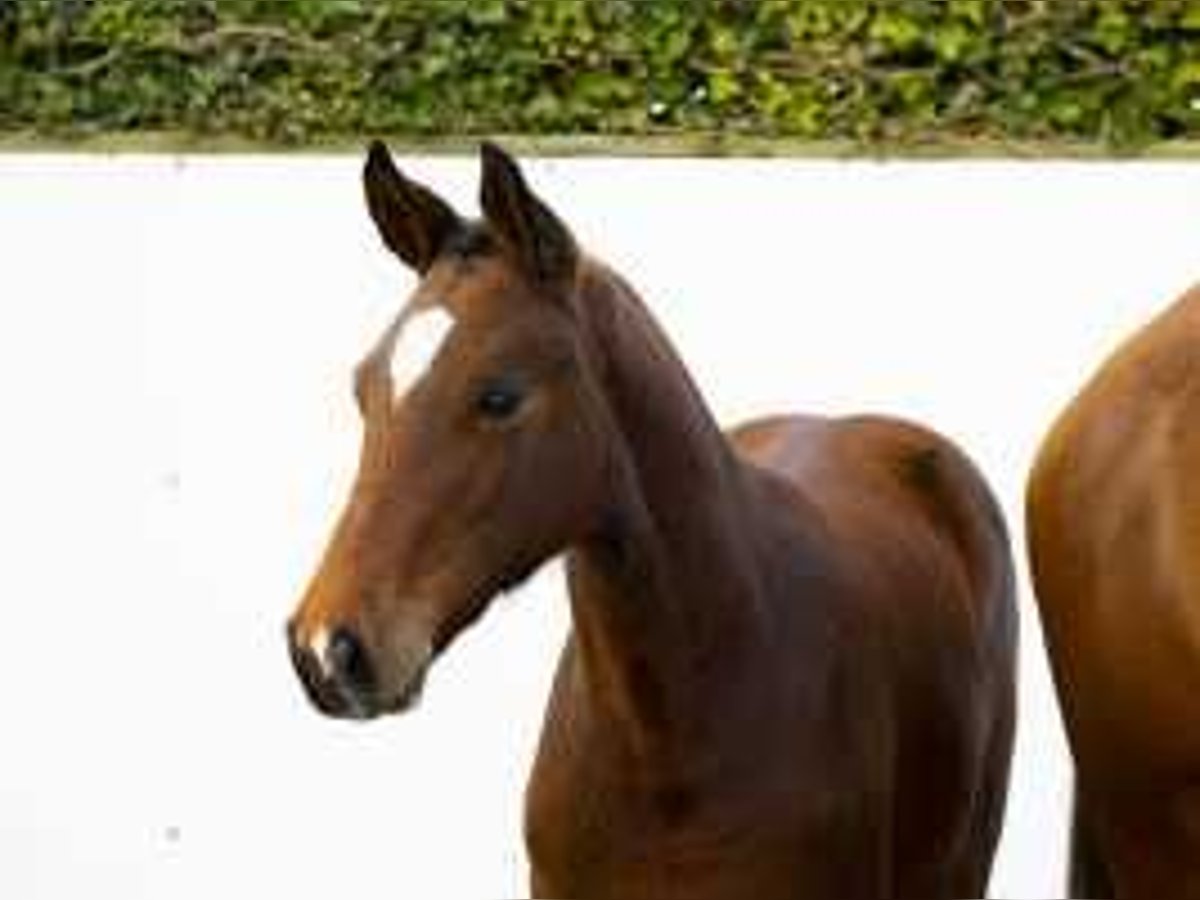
(790,672)
(1114,542)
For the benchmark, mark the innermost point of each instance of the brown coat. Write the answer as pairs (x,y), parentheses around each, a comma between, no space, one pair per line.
(1114,542)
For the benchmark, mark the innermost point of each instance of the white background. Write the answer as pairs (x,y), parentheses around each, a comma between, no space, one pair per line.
(176,339)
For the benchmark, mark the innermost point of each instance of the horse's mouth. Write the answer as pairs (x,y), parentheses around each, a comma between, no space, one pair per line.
(342,704)
(374,704)
(409,696)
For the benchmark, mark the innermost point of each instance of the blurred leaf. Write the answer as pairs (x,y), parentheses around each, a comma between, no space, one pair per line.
(894,30)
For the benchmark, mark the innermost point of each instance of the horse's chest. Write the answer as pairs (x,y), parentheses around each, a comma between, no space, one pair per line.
(591,833)
(772,815)
(627,849)
(774,856)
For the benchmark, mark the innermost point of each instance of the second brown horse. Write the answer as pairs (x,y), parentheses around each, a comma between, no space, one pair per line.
(1114,538)
(791,667)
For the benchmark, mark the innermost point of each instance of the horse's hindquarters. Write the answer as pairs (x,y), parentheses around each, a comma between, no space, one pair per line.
(1113,527)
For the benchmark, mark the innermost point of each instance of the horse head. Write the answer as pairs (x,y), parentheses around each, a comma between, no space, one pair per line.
(483,450)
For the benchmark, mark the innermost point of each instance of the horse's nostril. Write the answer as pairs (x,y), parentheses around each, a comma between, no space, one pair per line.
(347,660)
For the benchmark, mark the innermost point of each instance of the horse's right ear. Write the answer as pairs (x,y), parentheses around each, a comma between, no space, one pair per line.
(413,221)
(537,237)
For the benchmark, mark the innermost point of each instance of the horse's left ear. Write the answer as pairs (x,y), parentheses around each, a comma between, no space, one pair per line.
(526,226)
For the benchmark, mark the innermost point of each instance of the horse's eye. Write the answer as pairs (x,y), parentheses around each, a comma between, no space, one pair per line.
(499,399)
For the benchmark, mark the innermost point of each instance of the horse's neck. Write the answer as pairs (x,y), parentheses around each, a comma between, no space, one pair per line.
(664,599)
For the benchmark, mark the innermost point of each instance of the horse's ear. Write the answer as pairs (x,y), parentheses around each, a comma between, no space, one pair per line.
(526,226)
(413,221)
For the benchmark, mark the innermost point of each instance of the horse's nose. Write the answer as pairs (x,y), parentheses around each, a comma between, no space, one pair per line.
(310,672)
(335,671)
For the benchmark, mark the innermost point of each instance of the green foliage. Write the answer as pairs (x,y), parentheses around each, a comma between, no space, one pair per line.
(1121,73)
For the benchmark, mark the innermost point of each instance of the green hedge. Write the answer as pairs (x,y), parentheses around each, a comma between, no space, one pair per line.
(1118,73)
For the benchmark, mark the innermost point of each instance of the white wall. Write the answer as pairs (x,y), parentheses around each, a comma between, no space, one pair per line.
(176,337)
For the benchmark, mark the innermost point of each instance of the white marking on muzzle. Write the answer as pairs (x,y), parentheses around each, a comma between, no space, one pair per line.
(420,339)
(319,644)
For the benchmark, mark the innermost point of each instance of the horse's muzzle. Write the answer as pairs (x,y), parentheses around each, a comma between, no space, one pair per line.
(341,681)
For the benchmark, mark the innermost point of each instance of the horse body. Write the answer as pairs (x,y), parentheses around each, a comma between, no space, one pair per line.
(839,714)
(791,665)
(1114,541)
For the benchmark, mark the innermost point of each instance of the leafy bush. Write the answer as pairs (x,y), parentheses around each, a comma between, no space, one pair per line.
(1122,73)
